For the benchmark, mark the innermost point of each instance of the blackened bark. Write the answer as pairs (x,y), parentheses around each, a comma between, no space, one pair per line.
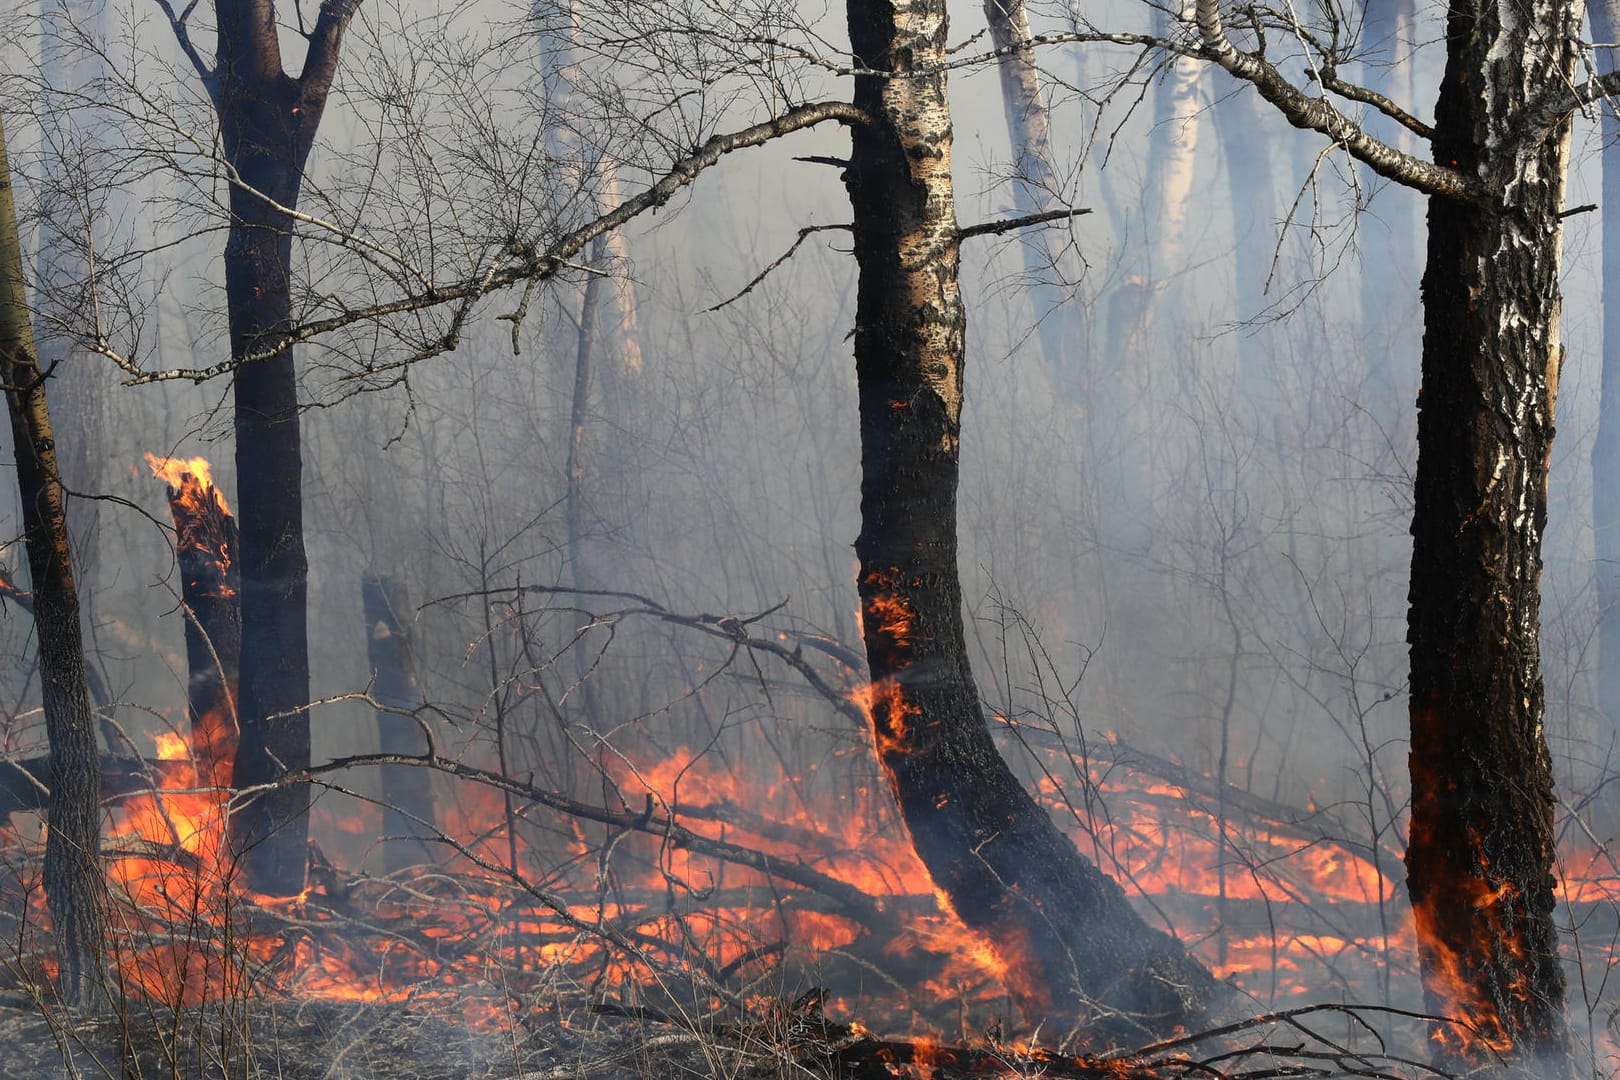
(1479,865)
(210,586)
(407,798)
(267,123)
(74,885)
(1075,950)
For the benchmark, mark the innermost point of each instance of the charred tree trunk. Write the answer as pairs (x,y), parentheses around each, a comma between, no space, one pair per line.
(1075,950)
(74,886)
(1605,15)
(1479,865)
(268,121)
(407,799)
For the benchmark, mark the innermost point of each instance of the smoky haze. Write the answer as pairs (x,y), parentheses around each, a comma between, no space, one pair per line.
(1188,544)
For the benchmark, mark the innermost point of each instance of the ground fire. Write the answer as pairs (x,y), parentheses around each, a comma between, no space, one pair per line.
(696,885)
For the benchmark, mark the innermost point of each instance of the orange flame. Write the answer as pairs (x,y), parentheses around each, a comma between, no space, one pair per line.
(192,477)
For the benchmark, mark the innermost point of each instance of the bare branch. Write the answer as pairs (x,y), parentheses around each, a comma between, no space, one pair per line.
(320,65)
(1543,114)
(855,903)
(1318,114)
(513,263)
(804,233)
(1007,225)
(1330,80)
(182,34)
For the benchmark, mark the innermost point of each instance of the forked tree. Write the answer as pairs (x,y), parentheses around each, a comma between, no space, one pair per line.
(267,121)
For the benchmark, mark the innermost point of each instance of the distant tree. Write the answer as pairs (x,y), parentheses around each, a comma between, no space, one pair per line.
(1036,188)
(1605,16)
(74,886)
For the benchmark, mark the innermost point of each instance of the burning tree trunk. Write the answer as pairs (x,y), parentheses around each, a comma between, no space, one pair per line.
(206,551)
(268,121)
(1479,865)
(1480,859)
(74,886)
(407,799)
(1073,946)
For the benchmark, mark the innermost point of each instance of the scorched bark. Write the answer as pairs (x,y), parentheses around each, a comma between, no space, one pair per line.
(1479,864)
(1075,950)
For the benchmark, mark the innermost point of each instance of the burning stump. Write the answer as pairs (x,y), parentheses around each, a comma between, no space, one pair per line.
(210,593)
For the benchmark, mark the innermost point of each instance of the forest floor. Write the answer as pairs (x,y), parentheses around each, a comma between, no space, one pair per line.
(328,1040)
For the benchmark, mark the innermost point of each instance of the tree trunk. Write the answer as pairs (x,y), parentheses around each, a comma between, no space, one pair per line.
(1074,949)
(1172,164)
(67,237)
(267,123)
(1035,187)
(74,885)
(407,798)
(1387,228)
(1246,146)
(1605,15)
(1479,865)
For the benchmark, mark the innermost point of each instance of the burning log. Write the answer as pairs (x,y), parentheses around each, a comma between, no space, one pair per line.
(205,549)
(407,802)
(799,1033)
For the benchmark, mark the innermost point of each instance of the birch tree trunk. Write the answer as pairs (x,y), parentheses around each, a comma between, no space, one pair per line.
(74,886)
(1178,120)
(1036,189)
(1480,858)
(408,817)
(1075,950)
(1388,229)
(1480,861)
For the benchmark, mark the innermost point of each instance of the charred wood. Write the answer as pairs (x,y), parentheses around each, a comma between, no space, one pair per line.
(206,551)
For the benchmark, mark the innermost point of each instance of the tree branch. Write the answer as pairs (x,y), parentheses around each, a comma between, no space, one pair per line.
(320,65)
(804,234)
(182,35)
(514,262)
(1329,78)
(1318,114)
(1007,225)
(1543,114)
(855,903)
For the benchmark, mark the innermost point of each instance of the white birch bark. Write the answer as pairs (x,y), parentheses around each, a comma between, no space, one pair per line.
(1037,189)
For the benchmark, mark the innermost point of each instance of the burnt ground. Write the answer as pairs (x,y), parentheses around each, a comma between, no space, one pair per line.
(326,1040)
